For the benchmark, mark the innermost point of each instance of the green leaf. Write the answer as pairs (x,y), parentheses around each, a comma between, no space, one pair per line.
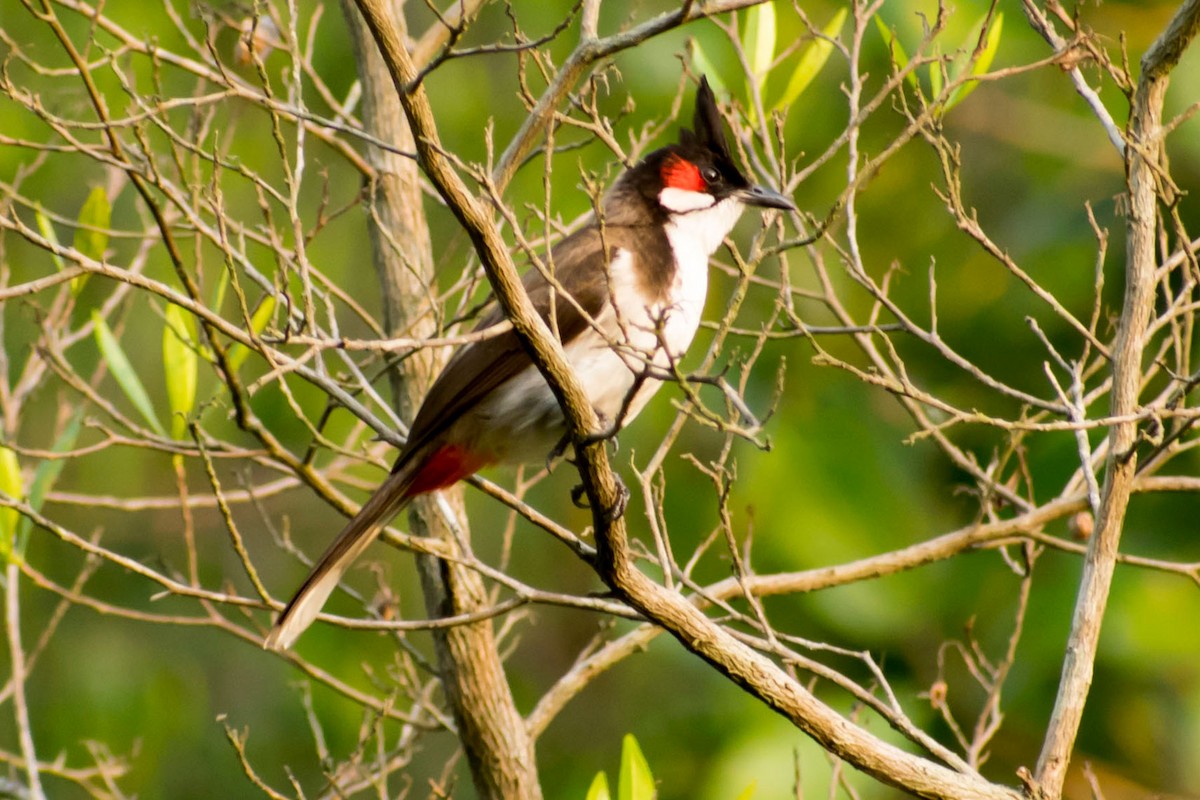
(122,370)
(48,233)
(935,76)
(704,66)
(95,214)
(813,60)
(258,323)
(982,64)
(48,471)
(758,42)
(218,298)
(635,782)
(748,792)
(91,238)
(10,484)
(45,476)
(180,365)
(896,51)
(599,788)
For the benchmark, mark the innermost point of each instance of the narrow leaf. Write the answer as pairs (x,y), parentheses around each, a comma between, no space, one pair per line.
(90,237)
(983,63)
(935,77)
(258,324)
(758,42)
(218,298)
(599,788)
(48,233)
(748,792)
(45,476)
(122,370)
(48,471)
(10,484)
(180,367)
(813,60)
(635,782)
(896,51)
(703,65)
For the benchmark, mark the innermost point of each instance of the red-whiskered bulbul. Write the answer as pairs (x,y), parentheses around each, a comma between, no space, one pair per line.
(636,278)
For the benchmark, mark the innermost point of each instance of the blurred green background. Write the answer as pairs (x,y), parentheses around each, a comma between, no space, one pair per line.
(839,483)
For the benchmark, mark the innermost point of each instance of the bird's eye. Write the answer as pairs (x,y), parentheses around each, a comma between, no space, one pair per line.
(711,175)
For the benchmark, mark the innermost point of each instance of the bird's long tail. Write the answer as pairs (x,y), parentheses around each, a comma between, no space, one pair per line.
(439,467)
(388,500)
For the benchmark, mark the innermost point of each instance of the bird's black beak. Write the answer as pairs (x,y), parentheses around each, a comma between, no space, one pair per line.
(765,198)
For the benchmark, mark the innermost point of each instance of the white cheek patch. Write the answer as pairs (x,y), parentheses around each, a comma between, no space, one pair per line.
(684,200)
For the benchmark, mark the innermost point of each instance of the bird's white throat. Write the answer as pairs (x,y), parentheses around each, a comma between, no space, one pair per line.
(696,235)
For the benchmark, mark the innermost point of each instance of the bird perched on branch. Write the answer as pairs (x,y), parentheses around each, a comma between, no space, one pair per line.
(627,291)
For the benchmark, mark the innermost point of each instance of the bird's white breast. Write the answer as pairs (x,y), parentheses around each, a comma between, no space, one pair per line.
(521,420)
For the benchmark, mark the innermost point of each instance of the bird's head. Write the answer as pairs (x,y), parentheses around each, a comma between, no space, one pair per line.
(699,173)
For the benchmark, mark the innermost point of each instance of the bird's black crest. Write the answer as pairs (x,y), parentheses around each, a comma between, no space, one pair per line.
(709,129)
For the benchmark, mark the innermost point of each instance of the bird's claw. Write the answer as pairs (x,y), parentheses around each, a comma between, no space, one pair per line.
(607,433)
(617,509)
(613,512)
(558,451)
(578,497)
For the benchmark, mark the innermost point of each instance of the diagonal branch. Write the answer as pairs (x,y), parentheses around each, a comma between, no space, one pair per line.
(742,664)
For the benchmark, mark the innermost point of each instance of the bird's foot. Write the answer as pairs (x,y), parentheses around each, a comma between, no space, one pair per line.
(558,451)
(579,497)
(607,433)
(613,512)
(617,509)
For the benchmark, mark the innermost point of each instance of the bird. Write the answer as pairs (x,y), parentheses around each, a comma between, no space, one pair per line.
(627,293)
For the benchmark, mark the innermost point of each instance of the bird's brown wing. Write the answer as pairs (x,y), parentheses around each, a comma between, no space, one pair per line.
(470,375)
(480,367)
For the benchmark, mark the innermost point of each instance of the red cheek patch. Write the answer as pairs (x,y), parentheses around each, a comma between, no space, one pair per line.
(448,465)
(679,173)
